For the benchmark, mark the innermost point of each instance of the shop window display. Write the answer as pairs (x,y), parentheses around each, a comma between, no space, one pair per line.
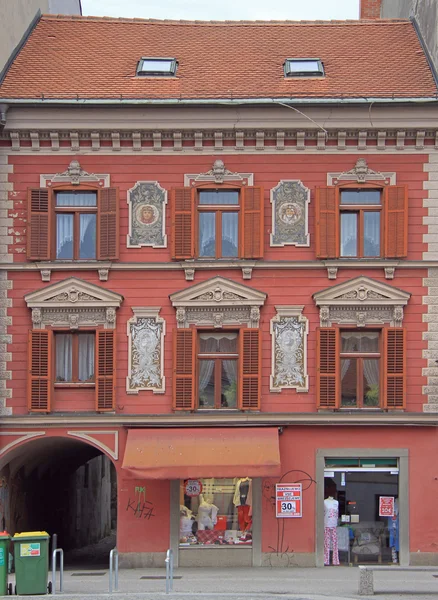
(216,512)
(361,514)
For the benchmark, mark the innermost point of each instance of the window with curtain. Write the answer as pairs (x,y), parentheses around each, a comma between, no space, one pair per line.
(217,370)
(74,357)
(360,226)
(218,223)
(76,220)
(360,369)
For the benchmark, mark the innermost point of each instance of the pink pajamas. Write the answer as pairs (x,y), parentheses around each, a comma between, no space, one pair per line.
(330,534)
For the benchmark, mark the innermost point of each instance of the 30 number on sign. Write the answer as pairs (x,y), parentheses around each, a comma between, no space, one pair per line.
(192,487)
(289,500)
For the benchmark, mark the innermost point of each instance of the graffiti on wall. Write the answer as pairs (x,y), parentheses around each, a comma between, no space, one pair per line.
(139,506)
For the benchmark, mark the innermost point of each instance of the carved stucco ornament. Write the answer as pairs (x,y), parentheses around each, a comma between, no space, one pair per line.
(290,223)
(361,301)
(147,215)
(361,173)
(289,329)
(218,302)
(146,331)
(73,303)
(75,175)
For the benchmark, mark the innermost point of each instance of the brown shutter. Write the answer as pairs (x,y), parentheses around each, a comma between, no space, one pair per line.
(40,381)
(396,221)
(184,359)
(108,224)
(328,372)
(105,370)
(394,368)
(249,369)
(327,222)
(183,223)
(252,201)
(38,224)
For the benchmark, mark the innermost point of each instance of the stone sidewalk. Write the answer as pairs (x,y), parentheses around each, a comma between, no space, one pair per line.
(332,583)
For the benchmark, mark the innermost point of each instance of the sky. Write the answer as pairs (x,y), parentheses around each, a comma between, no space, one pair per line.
(224,9)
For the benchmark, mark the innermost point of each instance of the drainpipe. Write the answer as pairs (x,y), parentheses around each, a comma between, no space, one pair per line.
(3,111)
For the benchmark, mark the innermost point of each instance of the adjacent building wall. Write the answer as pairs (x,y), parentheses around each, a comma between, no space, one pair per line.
(17,15)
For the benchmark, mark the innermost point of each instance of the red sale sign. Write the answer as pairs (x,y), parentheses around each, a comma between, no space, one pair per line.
(386,506)
(192,487)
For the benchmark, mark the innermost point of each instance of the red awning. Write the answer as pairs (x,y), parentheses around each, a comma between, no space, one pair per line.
(206,452)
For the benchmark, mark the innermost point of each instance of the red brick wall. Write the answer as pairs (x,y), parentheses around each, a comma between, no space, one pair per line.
(370,9)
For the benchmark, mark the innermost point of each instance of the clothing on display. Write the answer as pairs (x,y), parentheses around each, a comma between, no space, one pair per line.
(207,514)
(394,538)
(331,515)
(243,492)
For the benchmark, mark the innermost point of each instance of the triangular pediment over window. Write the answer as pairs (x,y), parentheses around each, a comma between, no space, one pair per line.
(73,303)
(218,302)
(361,301)
(71,292)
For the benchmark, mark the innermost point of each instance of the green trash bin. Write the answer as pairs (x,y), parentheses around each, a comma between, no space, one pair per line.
(5,540)
(31,553)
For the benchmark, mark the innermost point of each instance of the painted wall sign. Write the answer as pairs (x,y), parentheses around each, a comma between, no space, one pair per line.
(288,500)
(386,506)
(192,487)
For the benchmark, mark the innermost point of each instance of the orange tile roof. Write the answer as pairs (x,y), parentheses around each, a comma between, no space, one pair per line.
(90,57)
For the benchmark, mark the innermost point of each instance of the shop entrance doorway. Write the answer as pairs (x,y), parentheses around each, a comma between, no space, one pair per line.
(361,511)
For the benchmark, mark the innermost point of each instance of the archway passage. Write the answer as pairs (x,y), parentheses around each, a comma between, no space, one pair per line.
(63,486)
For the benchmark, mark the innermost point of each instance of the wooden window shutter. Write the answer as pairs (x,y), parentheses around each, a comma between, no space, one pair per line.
(327,222)
(249,369)
(108,224)
(396,221)
(40,378)
(38,224)
(328,371)
(394,368)
(183,223)
(105,370)
(253,212)
(184,360)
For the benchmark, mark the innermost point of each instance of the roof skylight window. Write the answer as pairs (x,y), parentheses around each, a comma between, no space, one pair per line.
(157,66)
(303,67)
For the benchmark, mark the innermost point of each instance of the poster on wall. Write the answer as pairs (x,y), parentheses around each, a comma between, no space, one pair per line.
(192,487)
(288,500)
(386,506)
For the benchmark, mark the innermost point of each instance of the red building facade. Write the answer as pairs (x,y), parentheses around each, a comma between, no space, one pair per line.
(224,297)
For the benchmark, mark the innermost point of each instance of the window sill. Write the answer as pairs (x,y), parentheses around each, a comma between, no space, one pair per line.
(74,384)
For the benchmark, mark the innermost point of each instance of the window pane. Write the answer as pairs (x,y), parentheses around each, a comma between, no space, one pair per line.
(213,343)
(64,361)
(229,384)
(371,234)
(219,197)
(207,234)
(360,197)
(76,199)
(230,234)
(206,383)
(154,66)
(86,357)
(348,382)
(364,341)
(87,236)
(64,236)
(371,382)
(301,66)
(349,234)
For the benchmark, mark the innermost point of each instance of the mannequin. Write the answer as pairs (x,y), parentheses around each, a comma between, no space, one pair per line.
(331,513)
(243,500)
(186,521)
(207,513)
(394,539)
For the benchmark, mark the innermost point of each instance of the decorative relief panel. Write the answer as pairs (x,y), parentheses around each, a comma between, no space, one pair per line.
(218,302)
(361,301)
(74,175)
(147,215)
(289,330)
(361,173)
(290,224)
(73,303)
(218,174)
(146,332)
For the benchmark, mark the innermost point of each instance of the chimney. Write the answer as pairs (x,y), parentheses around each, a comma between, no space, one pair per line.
(370,9)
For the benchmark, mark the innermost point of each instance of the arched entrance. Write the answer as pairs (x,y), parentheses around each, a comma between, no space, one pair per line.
(64,486)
